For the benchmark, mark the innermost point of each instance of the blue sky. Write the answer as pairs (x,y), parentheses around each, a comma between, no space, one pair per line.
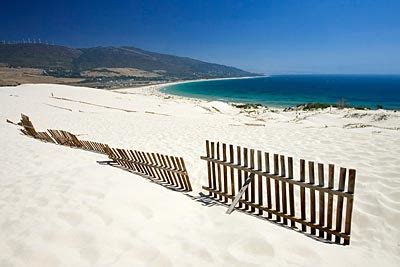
(336,36)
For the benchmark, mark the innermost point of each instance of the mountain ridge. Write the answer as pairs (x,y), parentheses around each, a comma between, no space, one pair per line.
(67,61)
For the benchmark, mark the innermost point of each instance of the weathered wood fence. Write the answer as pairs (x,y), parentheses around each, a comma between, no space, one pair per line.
(166,170)
(28,129)
(94,146)
(311,206)
(60,137)
(253,181)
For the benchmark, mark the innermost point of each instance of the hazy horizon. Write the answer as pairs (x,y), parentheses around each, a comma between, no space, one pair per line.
(285,37)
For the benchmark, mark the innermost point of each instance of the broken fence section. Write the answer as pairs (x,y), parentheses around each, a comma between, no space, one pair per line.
(69,139)
(166,170)
(28,129)
(270,189)
(60,137)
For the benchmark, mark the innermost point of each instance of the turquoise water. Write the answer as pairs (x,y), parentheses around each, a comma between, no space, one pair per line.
(290,90)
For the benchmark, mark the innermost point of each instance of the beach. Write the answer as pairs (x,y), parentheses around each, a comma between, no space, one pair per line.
(61,207)
(291,90)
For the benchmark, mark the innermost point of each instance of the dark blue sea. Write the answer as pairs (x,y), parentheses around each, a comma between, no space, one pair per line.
(291,90)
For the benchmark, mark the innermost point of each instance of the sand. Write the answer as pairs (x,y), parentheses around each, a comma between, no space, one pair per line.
(62,207)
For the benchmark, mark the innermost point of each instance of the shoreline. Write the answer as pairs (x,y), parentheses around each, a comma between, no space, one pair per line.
(157,89)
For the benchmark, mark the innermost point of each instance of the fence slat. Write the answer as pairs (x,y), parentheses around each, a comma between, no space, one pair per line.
(94,146)
(260,183)
(253,182)
(165,163)
(177,166)
(151,162)
(276,182)
(188,186)
(148,162)
(232,170)
(121,160)
(239,163)
(182,176)
(143,163)
(170,176)
(173,162)
(118,158)
(349,204)
(85,145)
(90,145)
(339,209)
(134,159)
(224,170)
(321,197)
(291,191)
(208,166)
(284,198)
(214,178)
(159,173)
(219,175)
(245,164)
(303,193)
(311,177)
(142,160)
(126,159)
(139,158)
(329,218)
(138,167)
(268,184)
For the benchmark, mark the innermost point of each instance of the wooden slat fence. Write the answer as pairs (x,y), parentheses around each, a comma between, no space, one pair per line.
(69,139)
(94,146)
(44,136)
(60,137)
(29,129)
(64,138)
(273,191)
(166,170)
(28,126)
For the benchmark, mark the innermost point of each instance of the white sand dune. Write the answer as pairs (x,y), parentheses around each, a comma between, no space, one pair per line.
(60,207)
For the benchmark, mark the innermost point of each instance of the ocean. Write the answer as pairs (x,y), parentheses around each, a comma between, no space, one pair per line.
(291,90)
